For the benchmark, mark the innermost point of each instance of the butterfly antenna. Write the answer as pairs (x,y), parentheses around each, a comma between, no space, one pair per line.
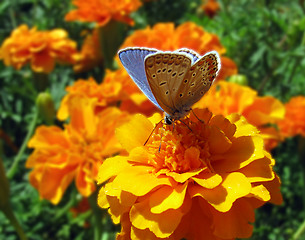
(197,117)
(152,132)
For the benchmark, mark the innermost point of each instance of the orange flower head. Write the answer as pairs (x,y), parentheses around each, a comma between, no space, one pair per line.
(210,7)
(294,122)
(90,53)
(102,11)
(116,89)
(75,152)
(226,98)
(167,37)
(204,183)
(42,49)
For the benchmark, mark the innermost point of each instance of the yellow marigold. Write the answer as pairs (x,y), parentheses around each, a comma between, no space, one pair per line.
(225,98)
(39,48)
(116,89)
(192,188)
(294,122)
(90,53)
(75,152)
(210,7)
(164,36)
(102,11)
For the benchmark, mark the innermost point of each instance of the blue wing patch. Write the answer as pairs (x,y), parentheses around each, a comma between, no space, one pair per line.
(133,61)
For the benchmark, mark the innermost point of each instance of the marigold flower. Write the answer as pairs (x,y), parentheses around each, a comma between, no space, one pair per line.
(294,122)
(164,36)
(116,89)
(102,11)
(193,188)
(210,7)
(75,152)
(39,48)
(226,98)
(90,53)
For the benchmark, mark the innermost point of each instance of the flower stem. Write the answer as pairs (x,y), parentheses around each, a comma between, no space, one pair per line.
(41,81)
(97,216)
(11,216)
(301,149)
(299,232)
(110,38)
(11,172)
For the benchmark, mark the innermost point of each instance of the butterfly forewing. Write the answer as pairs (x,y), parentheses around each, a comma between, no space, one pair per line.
(197,81)
(133,61)
(165,73)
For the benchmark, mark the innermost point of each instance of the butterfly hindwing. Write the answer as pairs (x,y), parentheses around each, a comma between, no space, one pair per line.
(197,81)
(165,73)
(133,61)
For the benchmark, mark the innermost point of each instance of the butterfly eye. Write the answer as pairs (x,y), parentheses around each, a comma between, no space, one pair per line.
(194,74)
(174,74)
(169,70)
(181,73)
(185,81)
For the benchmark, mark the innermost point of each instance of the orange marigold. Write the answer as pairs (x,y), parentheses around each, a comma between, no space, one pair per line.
(225,98)
(164,36)
(90,53)
(193,188)
(102,11)
(116,89)
(75,152)
(294,122)
(210,7)
(39,48)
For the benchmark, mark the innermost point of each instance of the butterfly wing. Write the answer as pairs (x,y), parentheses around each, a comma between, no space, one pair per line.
(133,61)
(197,81)
(195,56)
(165,72)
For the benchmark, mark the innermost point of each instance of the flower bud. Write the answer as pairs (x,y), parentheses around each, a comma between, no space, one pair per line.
(239,79)
(46,107)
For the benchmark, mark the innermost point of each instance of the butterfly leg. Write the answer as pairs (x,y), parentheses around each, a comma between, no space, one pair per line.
(197,117)
(152,132)
(186,125)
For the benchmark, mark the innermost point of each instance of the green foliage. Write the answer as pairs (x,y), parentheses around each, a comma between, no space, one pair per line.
(265,38)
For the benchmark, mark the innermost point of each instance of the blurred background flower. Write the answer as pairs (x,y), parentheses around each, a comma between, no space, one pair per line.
(40,49)
(74,153)
(102,12)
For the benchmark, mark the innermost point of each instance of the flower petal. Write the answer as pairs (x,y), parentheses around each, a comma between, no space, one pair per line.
(111,167)
(208,180)
(143,128)
(133,177)
(234,186)
(167,198)
(234,223)
(162,225)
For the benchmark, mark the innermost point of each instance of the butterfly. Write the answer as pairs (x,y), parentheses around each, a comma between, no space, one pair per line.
(173,81)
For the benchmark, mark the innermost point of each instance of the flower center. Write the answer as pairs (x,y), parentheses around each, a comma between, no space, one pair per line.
(180,147)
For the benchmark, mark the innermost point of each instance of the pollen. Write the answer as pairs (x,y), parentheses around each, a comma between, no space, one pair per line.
(181,147)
